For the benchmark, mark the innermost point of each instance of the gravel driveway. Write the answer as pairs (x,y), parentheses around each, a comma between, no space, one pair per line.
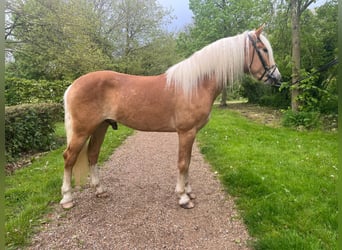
(142,210)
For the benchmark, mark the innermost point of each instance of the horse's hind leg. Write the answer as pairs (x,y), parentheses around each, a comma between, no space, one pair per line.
(95,143)
(70,157)
(183,189)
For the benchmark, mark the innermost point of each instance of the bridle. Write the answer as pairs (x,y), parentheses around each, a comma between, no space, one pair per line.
(268,70)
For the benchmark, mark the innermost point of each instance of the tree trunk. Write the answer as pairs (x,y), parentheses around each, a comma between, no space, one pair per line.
(223,102)
(295,18)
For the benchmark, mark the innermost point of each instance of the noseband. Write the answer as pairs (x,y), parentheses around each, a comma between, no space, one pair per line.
(268,71)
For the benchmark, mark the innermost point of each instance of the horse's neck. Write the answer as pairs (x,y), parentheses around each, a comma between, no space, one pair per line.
(214,88)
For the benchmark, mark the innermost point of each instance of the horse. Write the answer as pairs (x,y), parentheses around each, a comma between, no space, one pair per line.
(179,100)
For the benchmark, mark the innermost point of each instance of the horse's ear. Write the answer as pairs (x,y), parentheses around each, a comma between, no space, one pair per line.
(259,30)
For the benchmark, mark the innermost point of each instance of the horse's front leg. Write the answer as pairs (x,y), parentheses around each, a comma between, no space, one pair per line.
(183,189)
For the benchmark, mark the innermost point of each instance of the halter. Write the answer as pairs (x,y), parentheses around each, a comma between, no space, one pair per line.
(268,71)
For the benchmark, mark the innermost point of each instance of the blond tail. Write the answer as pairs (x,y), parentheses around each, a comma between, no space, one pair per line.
(81,167)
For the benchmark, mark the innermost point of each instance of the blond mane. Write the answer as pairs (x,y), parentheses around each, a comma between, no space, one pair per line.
(223,59)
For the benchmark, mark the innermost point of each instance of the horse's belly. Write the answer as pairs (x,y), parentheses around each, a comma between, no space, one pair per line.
(147,120)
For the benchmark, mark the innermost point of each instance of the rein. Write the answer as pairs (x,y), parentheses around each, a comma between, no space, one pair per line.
(267,70)
(320,69)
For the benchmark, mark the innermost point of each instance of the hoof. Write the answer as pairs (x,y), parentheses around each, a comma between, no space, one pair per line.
(188,205)
(68,205)
(102,195)
(192,196)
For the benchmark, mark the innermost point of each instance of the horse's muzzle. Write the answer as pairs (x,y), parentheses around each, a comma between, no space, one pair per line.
(273,76)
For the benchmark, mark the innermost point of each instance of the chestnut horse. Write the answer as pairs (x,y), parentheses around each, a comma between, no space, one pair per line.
(180,100)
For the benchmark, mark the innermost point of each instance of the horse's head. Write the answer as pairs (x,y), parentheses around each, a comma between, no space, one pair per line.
(259,58)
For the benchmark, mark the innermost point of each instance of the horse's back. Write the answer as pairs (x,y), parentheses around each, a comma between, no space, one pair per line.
(140,102)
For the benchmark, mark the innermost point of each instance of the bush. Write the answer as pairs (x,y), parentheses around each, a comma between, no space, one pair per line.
(253,90)
(302,119)
(264,95)
(318,95)
(329,101)
(30,128)
(20,91)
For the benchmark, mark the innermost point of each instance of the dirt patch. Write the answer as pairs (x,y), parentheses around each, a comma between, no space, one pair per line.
(24,161)
(142,209)
(264,115)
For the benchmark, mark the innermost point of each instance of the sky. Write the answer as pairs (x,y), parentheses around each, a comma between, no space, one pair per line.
(317,3)
(181,11)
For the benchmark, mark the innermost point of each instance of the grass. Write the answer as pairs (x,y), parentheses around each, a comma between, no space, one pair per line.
(31,191)
(284,181)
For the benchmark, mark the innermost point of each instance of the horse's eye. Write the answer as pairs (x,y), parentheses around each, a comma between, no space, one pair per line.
(265,50)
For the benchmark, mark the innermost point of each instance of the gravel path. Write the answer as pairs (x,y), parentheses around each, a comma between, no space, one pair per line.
(142,209)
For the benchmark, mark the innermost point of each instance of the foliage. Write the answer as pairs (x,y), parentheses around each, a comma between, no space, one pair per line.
(153,59)
(30,128)
(32,191)
(318,43)
(316,95)
(265,95)
(252,89)
(54,39)
(309,93)
(284,180)
(20,91)
(136,31)
(159,56)
(66,39)
(301,119)
(214,19)
(318,37)
(328,103)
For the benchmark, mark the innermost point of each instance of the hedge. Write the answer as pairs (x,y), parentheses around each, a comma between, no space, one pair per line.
(30,128)
(20,91)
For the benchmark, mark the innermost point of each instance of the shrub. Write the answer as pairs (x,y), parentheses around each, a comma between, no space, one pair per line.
(20,91)
(302,119)
(318,95)
(265,95)
(30,127)
(253,90)
(329,101)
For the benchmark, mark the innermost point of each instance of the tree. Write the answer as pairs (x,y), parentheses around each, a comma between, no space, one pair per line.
(134,26)
(318,43)
(158,56)
(55,39)
(297,9)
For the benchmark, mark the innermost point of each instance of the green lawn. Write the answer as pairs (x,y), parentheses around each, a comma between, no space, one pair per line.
(284,181)
(32,190)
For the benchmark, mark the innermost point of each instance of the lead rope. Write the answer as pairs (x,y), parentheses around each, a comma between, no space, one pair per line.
(320,69)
